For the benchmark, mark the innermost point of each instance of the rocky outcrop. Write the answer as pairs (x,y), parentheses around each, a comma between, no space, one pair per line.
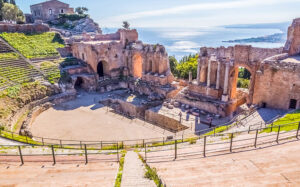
(292,45)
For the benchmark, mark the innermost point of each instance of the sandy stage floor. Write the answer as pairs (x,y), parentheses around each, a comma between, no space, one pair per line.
(85,119)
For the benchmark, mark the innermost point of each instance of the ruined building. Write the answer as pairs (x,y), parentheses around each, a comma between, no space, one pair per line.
(275,77)
(49,10)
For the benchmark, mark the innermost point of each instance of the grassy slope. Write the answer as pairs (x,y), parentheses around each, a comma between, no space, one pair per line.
(34,45)
(289,118)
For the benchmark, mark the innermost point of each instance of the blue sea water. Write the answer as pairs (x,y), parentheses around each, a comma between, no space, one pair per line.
(184,41)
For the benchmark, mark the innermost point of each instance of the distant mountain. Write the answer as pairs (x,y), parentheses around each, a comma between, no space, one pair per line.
(274,38)
(283,26)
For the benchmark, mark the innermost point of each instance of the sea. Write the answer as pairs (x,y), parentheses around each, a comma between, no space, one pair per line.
(180,42)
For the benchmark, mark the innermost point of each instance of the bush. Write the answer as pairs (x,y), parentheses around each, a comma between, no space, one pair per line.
(186,64)
(72,17)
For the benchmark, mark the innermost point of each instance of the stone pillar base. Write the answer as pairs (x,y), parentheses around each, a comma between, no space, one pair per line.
(225,98)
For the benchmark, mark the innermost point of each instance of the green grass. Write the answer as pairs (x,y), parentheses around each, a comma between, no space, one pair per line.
(151,173)
(10,55)
(218,130)
(284,121)
(18,138)
(34,45)
(51,70)
(120,172)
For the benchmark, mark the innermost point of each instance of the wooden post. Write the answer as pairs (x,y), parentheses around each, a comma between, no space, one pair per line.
(80,145)
(60,143)
(53,155)
(101,144)
(182,139)
(145,147)
(118,152)
(26,139)
(21,156)
(214,131)
(278,132)
(163,140)
(86,157)
(143,143)
(255,141)
(272,127)
(175,150)
(249,129)
(298,131)
(231,139)
(43,141)
(204,147)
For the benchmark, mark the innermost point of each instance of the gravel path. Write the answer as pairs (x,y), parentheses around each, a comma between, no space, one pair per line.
(133,173)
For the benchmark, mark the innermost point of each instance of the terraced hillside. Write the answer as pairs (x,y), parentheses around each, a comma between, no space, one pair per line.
(35,45)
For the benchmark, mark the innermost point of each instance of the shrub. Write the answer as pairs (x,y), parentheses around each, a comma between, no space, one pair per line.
(72,17)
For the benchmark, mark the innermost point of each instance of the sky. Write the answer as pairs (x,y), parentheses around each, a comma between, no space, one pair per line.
(183,13)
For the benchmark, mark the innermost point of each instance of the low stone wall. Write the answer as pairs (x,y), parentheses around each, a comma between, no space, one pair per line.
(24,28)
(36,108)
(165,122)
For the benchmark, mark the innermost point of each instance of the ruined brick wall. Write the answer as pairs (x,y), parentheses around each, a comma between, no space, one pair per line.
(292,45)
(277,83)
(24,28)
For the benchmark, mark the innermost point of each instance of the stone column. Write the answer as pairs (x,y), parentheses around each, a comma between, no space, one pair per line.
(208,73)
(198,72)
(225,91)
(190,77)
(218,76)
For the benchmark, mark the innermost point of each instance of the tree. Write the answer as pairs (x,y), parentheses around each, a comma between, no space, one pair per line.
(81,10)
(187,64)
(173,65)
(13,2)
(126,25)
(10,12)
(1,5)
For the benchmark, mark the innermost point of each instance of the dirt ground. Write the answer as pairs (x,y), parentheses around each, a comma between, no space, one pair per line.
(86,119)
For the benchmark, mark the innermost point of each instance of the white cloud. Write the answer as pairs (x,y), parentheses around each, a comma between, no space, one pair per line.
(198,7)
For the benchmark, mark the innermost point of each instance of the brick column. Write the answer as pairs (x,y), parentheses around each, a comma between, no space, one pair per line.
(218,76)
(208,72)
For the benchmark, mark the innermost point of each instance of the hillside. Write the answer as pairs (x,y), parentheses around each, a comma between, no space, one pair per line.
(35,45)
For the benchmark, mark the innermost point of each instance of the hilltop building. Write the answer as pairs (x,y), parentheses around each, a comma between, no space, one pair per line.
(49,10)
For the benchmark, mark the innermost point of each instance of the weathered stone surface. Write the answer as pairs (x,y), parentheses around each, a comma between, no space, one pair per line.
(292,45)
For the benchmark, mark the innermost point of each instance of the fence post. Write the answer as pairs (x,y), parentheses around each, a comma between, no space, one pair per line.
(298,131)
(272,127)
(182,139)
(21,156)
(145,147)
(26,139)
(204,147)
(60,143)
(118,151)
(163,140)
(255,141)
(231,139)
(249,129)
(53,155)
(214,131)
(101,144)
(43,141)
(80,145)
(175,150)
(143,143)
(278,132)
(86,157)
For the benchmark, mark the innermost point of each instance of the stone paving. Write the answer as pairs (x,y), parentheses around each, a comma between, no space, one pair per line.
(133,173)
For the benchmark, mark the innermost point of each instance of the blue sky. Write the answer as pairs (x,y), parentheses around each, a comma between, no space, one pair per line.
(183,13)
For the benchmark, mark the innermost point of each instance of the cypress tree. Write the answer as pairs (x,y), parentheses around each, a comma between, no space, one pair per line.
(1,5)
(13,2)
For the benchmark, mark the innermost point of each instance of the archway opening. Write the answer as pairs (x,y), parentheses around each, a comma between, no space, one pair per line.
(78,83)
(293,104)
(100,69)
(137,66)
(241,85)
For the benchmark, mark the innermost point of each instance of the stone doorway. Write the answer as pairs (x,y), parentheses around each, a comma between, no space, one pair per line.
(78,83)
(293,104)
(100,69)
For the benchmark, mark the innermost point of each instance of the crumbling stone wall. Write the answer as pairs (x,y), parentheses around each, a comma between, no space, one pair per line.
(24,28)
(292,45)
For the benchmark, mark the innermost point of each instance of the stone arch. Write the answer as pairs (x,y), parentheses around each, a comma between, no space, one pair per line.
(137,66)
(102,68)
(78,83)
(234,73)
